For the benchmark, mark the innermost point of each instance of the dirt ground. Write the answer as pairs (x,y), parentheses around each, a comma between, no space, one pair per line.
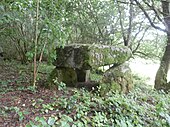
(18,99)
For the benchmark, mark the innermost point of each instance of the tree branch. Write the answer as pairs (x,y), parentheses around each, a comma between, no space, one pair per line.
(121,25)
(130,21)
(139,42)
(148,17)
(155,11)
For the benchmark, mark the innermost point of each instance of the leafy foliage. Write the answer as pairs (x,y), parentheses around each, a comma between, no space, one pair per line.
(63,22)
(85,109)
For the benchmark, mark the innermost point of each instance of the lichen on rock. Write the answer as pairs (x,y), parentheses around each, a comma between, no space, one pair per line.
(85,56)
(65,75)
(74,62)
(117,79)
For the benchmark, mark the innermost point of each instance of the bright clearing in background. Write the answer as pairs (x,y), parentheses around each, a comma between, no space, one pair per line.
(146,68)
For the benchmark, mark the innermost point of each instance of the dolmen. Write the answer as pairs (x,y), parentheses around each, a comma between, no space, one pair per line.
(75,61)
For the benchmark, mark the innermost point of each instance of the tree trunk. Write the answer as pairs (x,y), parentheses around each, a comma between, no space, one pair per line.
(35,48)
(161,75)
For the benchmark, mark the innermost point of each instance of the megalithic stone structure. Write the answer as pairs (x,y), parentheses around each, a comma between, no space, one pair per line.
(76,60)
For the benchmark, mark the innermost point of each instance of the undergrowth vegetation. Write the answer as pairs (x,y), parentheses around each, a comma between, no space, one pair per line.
(71,107)
(138,108)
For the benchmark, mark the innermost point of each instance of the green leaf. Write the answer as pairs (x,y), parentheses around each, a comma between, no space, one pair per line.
(73,125)
(31,124)
(42,121)
(64,124)
(21,116)
(69,119)
(168,119)
(37,118)
(80,124)
(51,121)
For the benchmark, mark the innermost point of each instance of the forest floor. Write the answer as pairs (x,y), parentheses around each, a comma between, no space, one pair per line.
(22,105)
(19,102)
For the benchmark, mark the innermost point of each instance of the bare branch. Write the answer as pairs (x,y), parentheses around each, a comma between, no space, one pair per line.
(95,19)
(148,55)
(122,2)
(121,25)
(139,30)
(148,17)
(139,42)
(154,9)
(130,21)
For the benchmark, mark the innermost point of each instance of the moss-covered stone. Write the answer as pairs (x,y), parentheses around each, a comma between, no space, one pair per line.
(85,56)
(65,75)
(74,62)
(117,79)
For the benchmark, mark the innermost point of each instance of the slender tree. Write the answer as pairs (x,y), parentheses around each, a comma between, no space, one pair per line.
(126,34)
(35,48)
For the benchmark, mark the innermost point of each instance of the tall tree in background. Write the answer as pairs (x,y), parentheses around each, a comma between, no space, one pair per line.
(162,15)
(126,34)
(133,29)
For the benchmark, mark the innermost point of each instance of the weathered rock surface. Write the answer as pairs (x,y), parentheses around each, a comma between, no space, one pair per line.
(66,75)
(85,56)
(74,62)
(1,52)
(117,79)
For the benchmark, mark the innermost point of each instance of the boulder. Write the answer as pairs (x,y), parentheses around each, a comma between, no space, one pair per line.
(86,56)
(117,78)
(65,75)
